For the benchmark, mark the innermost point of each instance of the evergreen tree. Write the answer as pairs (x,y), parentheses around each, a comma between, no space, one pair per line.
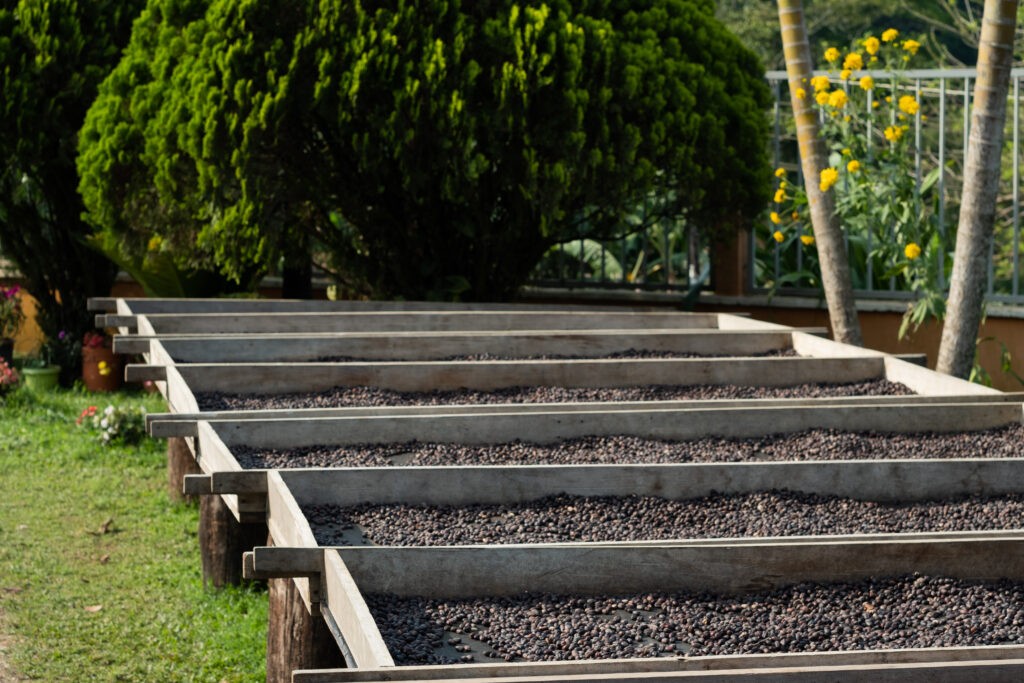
(435,149)
(53,55)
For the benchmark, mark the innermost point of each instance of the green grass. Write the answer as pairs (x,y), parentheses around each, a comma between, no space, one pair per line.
(88,600)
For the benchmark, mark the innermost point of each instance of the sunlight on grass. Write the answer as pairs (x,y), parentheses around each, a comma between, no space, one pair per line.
(99,572)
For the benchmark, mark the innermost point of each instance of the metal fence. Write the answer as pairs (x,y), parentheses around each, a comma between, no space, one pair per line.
(940,130)
(668,255)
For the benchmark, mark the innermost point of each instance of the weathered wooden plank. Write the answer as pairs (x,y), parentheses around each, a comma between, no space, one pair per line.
(243,481)
(990,653)
(165,425)
(368,321)
(213,454)
(186,305)
(274,378)
(346,605)
(288,526)
(1009,671)
(273,562)
(440,345)
(925,381)
(882,480)
(448,572)
(197,484)
(552,427)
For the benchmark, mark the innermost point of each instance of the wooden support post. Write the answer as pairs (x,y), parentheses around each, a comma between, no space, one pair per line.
(180,462)
(731,266)
(295,638)
(222,540)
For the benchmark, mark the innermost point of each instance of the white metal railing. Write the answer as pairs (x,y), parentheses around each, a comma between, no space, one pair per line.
(941,130)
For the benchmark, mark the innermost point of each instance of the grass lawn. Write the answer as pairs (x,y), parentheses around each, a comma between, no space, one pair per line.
(99,572)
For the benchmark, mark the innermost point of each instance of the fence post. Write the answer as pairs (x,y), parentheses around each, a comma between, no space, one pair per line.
(730,264)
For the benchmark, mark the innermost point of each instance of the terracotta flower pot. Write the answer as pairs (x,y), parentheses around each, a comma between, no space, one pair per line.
(102,369)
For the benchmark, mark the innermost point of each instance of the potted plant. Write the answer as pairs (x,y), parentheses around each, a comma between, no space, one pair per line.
(39,373)
(102,369)
(11,318)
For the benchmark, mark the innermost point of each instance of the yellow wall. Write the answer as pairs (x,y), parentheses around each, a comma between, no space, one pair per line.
(29,336)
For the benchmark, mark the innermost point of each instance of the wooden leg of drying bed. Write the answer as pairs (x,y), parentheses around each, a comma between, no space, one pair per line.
(295,638)
(223,540)
(180,461)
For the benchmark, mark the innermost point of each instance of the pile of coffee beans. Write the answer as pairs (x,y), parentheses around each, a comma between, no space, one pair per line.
(902,612)
(373,396)
(569,518)
(815,444)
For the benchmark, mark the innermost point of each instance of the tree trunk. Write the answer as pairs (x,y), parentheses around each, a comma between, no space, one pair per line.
(981,184)
(828,234)
(297,270)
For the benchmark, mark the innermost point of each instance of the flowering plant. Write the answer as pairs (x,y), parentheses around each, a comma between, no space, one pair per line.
(8,377)
(11,314)
(885,202)
(115,424)
(65,350)
(95,340)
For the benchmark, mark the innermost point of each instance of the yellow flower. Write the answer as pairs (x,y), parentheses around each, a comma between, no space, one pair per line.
(795,215)
(829,176)
(909,105)
(103,368)
(853,166)
(832,55)
(780,196)
(819,83)
(778,236)
(876,104)
(783,184)
(845,74)
(775,218)
(846,151)
(890,35)
(871,45)
(154,242)
(911,46)
(853,61)
(912,251)
(867,83)
(893,133)
(801,93)
(780,172)
(837,99)
(807,240)
(821,98)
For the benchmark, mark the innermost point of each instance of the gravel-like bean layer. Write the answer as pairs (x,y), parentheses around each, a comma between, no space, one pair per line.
(816,444)
(372,396)
(562,518)
(903,612)
(631,354)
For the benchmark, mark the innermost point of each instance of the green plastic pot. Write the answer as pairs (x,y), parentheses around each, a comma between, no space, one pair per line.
(41,379)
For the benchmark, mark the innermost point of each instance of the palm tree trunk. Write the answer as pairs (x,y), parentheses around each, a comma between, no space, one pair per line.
(828,234)
(981,184)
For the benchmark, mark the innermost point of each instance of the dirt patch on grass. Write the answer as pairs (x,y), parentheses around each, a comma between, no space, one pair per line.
(7,674)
